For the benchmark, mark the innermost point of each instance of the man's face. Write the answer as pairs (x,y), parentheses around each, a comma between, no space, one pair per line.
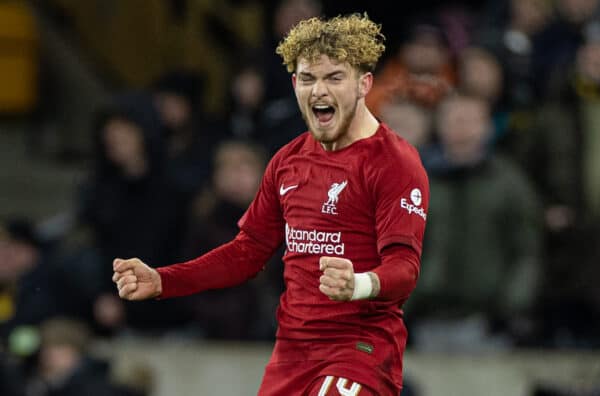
(327,94)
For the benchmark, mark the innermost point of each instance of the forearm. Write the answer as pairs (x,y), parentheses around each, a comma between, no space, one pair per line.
(397,275)
(226,266)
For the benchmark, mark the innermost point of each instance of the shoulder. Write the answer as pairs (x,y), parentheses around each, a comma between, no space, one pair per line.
(393,156)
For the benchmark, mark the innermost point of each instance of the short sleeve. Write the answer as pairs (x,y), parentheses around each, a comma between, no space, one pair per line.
(263,219)
(401,202)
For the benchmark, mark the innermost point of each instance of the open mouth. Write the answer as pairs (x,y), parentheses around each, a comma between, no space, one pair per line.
(323,113)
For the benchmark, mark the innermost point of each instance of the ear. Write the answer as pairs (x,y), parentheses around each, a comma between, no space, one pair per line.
(294,80)
(365,82)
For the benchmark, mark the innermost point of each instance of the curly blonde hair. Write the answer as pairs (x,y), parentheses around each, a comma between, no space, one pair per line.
(354,39)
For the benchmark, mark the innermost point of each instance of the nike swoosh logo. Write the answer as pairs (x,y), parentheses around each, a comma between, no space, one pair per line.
(284,190)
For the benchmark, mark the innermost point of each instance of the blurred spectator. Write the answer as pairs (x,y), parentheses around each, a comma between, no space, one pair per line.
(247,97)
(480,269)
(540,144)
(238,168)
(527,128)
(190,132)
(245,311)
(64,366)
(513,34)
(30,290)
(572,276)
(128,201)
(128,185)
(422,70)
(577,19)
(533,135)
(480,75)
(409,120)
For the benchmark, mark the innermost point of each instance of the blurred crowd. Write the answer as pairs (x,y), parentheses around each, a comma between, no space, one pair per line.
(502,99)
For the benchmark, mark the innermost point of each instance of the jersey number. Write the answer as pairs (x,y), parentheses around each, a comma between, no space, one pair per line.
(341,386)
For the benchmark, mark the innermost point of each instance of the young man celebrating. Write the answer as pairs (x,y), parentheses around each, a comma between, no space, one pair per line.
(349,198)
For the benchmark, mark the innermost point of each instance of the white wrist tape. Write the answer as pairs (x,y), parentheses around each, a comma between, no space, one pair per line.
(363,286)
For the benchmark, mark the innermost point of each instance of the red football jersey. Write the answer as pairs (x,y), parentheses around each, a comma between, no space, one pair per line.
(350,203)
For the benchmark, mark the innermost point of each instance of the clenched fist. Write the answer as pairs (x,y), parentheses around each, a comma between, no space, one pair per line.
(337,281)
(136,280)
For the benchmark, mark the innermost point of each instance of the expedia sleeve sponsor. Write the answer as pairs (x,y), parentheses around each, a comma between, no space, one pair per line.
(313,241)
(412,208)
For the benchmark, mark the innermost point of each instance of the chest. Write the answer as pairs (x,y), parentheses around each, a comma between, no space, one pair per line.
(324,194)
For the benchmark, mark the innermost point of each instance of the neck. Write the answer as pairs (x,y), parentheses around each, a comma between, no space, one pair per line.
(363,125)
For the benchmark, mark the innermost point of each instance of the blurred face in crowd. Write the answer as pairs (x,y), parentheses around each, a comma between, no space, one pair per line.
(175,111)
(57,361)
(588,62)
(409,120)
(62,348)
(238,171)
(480,74)
(530,16)
(328,93)
(124,144)
(16,258)
(248,89)
(463,125)
(425,53)
(577,11)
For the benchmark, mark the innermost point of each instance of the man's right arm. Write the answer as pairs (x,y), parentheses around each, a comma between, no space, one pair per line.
(226,266)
